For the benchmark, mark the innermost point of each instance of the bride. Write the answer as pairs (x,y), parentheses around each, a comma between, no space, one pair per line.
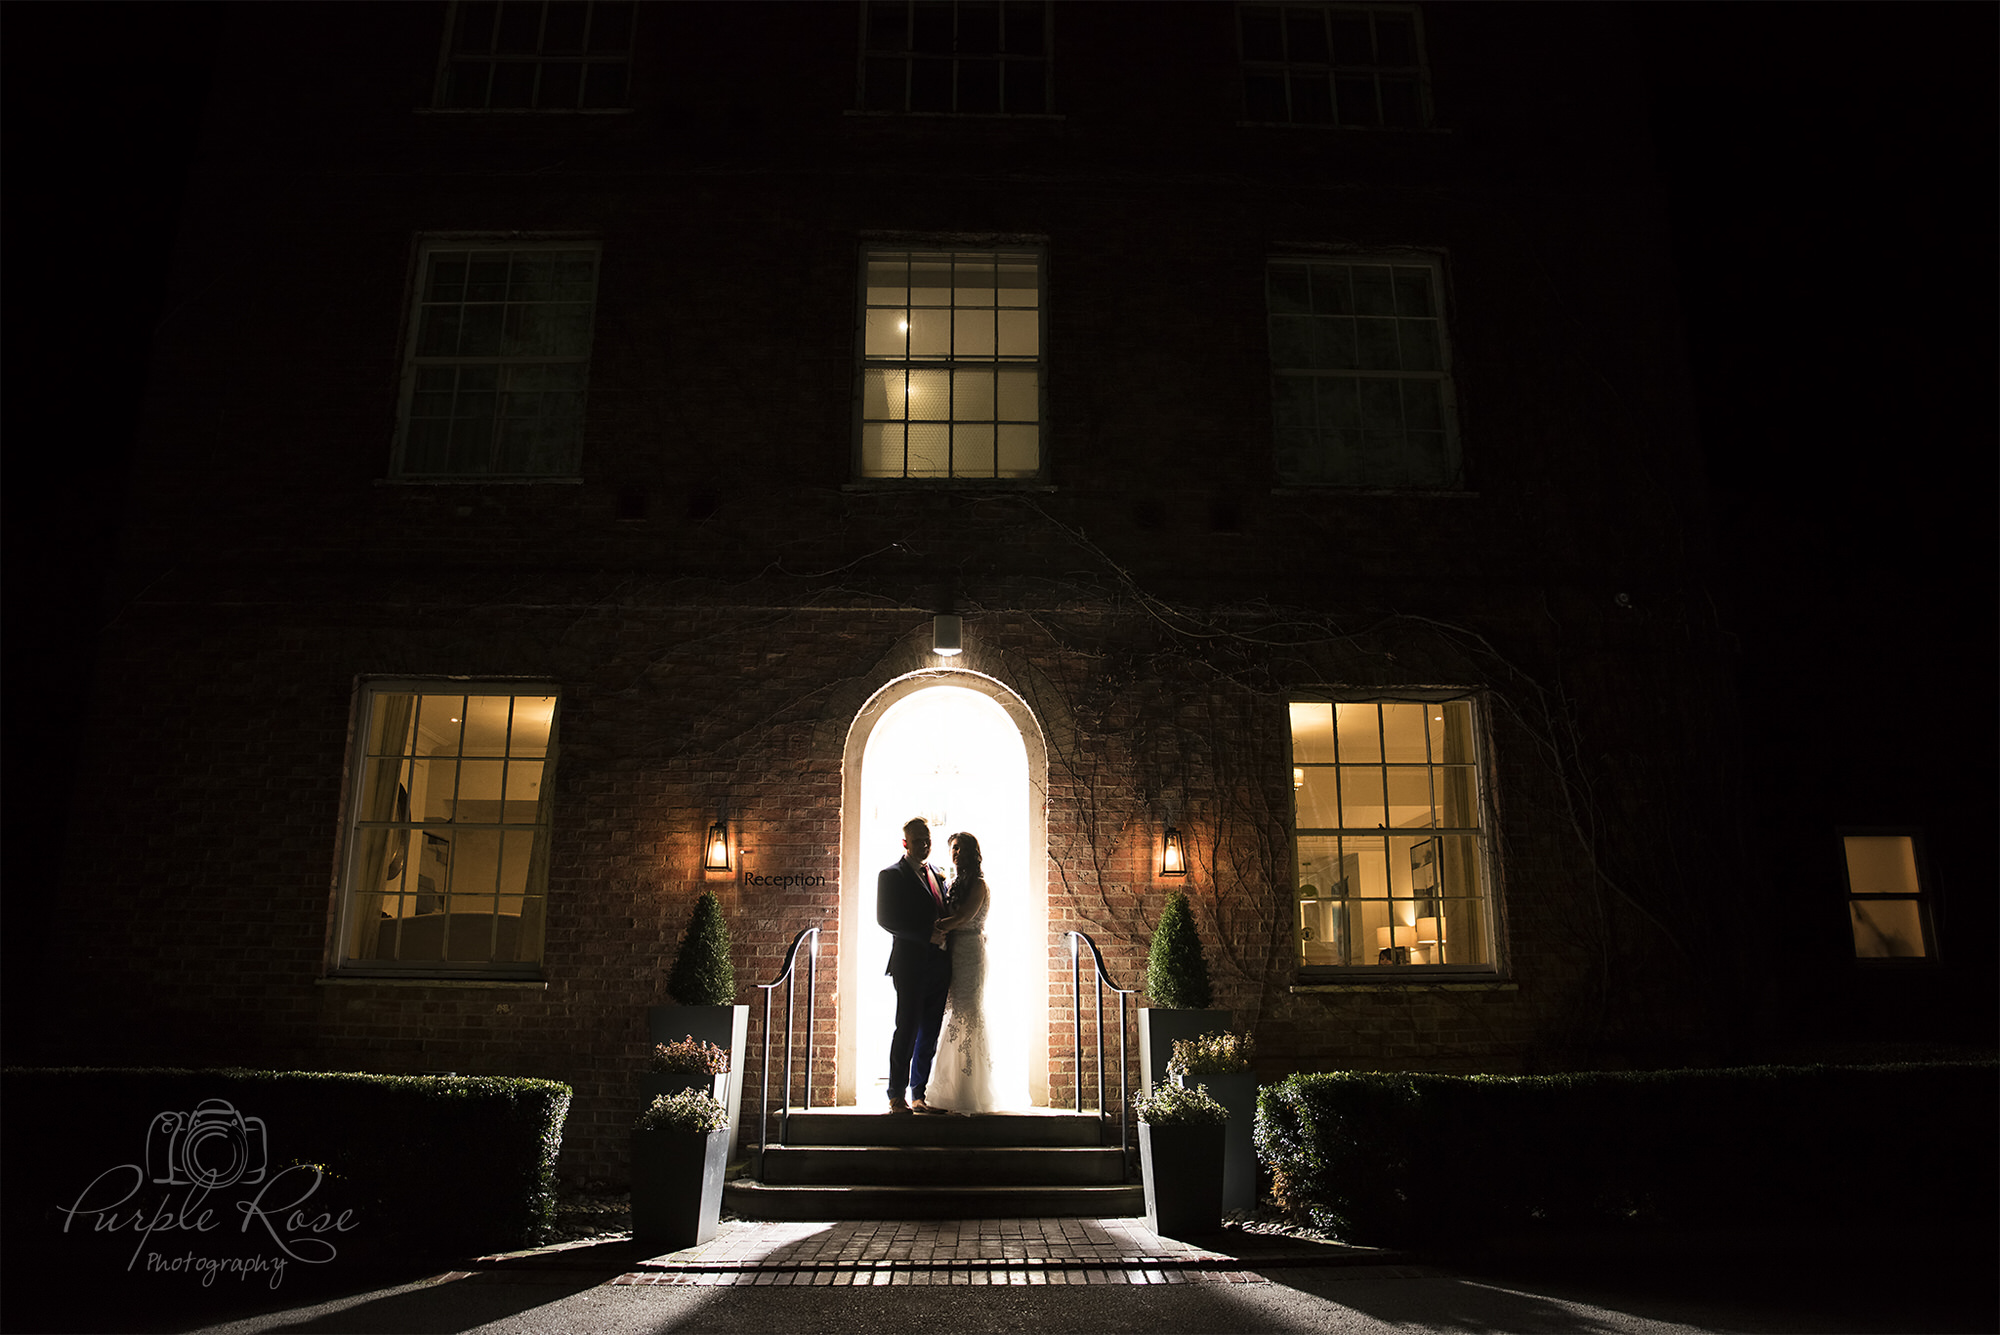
(962,1075)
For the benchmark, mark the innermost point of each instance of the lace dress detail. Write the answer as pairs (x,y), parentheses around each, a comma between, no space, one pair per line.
(962,1075)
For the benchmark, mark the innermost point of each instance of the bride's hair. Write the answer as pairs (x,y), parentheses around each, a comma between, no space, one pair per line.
(965,853)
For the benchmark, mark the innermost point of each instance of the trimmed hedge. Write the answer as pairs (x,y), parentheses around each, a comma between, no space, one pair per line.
(428,1165)
(1406,1159)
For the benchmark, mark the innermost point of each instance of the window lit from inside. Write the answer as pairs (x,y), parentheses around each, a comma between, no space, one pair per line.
(963,57)
(1886,906)
(447,862)
(1390,845)
(1348,65)
(951,367)
(537,55)
(499,357)
(1360,389)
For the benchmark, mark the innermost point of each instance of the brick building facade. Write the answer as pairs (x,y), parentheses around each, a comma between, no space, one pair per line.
(1177,253)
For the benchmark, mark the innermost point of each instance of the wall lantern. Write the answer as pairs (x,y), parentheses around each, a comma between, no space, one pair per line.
(715,849)
(1173,862)
(945,642)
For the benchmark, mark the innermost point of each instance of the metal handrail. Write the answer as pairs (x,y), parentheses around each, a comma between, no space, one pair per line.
(787,977)
(1102,981)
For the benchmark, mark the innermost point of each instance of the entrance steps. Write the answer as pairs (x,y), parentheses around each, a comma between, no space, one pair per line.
(847,1163)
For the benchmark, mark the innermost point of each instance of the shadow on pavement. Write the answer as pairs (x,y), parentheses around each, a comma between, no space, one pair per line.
(68,1299)
(426,1294)
(454,1303)
(491,1289)
(1948,1287)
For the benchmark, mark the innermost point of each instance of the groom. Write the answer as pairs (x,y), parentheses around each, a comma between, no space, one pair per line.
(909,899)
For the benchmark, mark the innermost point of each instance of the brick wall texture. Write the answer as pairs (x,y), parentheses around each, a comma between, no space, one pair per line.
(1153,600)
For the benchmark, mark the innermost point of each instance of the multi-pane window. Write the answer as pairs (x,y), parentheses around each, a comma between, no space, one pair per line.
(537,55)
(499,356)
(972,57)
(1359,382)
(1390,845)
(1352,65)
(951,364)
(1886,905)
(447,861)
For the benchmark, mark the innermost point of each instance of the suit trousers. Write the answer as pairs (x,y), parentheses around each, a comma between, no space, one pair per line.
(921,988)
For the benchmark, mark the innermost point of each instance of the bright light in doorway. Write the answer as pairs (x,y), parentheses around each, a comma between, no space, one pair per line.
(953,756)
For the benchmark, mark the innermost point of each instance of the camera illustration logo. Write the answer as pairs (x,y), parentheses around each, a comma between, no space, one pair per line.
(213,1146)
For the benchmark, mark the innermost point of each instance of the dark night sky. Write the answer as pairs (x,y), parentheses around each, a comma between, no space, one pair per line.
(1832,170)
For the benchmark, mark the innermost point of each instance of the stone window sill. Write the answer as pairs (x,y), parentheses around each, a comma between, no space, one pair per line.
(1414,985)
(364,980)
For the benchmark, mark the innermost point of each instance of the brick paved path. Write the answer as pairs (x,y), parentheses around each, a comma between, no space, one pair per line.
(1030,1252)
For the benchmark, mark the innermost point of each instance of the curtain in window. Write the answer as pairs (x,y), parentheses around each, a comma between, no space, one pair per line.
(534,904)
(381,855)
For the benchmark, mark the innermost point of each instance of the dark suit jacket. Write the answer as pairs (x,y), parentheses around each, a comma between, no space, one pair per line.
(907,912)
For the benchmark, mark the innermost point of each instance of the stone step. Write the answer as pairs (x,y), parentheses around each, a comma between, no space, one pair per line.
(956,1165)
(850,1126)
(759,1200)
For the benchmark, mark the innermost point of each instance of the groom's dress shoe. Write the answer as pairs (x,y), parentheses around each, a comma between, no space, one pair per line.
(918,1105)
(896,1105)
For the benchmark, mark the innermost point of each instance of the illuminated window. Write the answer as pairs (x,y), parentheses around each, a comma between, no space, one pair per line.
(951,364)
(1886,904)
(1391,847)
(537,55)
(499,353)
(963,57)
(1346,65)
(448,842)
(1360,390)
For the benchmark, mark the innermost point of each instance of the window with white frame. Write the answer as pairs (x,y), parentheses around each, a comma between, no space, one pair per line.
(537,55)
(1886,904)
(499,355)
(1391,844)
(448,839)
(1347,65)
(1360,382)
(963,57)
(951,364)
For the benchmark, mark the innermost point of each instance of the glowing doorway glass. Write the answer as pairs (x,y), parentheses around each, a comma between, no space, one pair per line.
(954,757)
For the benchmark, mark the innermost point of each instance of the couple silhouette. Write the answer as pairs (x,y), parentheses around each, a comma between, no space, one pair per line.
(938,966)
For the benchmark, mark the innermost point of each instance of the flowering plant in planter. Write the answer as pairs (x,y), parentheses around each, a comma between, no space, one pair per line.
(680,1155)
(689,1110)
(1178,1105)
(1222,1063)
(1180,1158)
(689,1058)
(1210,1054)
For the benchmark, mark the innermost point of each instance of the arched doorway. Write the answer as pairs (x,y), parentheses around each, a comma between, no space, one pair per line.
(964,752)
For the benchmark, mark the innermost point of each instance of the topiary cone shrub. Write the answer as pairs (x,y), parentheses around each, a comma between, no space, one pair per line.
(703,974)
(1176,970)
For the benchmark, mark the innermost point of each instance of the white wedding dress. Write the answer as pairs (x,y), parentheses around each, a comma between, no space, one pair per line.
(962,1076)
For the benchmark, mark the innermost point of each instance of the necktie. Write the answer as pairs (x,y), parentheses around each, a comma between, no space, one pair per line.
(930,884)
